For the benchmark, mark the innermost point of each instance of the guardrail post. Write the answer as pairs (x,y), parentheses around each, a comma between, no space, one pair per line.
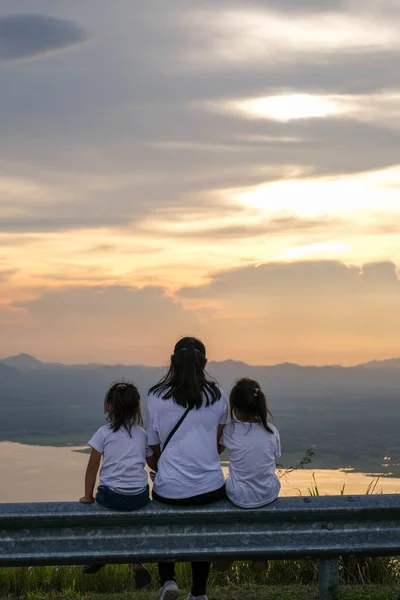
(328,572)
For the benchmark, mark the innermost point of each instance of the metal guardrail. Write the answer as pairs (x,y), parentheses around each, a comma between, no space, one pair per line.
(322,528)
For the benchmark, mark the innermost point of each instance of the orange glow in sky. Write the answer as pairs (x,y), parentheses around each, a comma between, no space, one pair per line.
(231,173)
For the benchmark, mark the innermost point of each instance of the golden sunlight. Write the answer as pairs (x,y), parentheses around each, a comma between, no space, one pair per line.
(366,196)
(381,108)
(286,107)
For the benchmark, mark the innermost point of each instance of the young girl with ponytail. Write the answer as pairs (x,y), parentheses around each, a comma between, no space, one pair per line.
(253,445)
(119,449)
(186,413)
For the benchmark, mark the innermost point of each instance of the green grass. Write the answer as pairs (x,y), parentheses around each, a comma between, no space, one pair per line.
(231,593)
(41,583)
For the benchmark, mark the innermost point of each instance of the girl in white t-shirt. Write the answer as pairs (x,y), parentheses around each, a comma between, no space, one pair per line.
(253,445)
(121,448)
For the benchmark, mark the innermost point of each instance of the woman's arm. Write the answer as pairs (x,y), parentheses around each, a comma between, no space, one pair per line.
(156,450)
(152,462)
(90,477)
(221,448)
(153,440)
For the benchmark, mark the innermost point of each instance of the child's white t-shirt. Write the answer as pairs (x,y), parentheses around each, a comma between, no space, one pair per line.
(252,479)
(190,465)
(124,458)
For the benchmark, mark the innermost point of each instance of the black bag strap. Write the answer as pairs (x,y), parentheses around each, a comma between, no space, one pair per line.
(175,429)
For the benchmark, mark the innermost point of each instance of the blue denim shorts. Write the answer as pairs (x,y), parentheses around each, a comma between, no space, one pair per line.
(124,502)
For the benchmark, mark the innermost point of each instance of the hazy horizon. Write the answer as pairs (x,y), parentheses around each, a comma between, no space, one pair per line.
(25,355)
(223,170)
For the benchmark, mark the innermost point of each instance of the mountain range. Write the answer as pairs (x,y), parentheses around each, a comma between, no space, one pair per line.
(27,361)
(350,414)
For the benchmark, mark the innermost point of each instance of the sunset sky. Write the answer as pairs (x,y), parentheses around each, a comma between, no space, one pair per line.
(225,169)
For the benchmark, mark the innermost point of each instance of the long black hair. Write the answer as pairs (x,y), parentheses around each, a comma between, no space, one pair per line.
(248,400)
(122,406)
(186,381)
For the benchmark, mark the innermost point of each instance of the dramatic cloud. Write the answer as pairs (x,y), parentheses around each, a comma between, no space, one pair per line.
(249,34)
(310,312)
(27,35)
(188,139)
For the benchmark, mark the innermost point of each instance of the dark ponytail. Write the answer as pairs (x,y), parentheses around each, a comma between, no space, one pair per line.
(122,406)
(248,400)
(186,381)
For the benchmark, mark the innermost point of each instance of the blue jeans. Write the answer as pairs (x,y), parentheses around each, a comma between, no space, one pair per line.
(124,502)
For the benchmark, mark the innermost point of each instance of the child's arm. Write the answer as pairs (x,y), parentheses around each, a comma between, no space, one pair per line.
(90,477)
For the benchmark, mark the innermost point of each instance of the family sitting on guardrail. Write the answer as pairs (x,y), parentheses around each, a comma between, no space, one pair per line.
(188,426)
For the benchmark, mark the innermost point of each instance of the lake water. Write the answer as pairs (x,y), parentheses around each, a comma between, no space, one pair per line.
(43,473)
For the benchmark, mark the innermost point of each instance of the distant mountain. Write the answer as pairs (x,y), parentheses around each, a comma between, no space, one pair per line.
(27,361)
(21,361)
(391,363)
(6,371)
(350,414)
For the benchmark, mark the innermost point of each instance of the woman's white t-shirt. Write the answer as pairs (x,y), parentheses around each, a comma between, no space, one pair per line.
(124,458)
(190,465)
(252,479)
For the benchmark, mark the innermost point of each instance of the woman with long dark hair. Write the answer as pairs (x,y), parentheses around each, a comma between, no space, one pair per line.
(186,415)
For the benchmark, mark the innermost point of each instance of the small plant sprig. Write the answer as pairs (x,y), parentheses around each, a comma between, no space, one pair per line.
(305,460)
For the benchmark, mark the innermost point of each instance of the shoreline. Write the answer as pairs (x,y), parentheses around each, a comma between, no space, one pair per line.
(314,466)
(56,474)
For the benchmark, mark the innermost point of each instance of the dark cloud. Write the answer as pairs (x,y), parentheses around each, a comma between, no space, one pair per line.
(26,35)
(306,277)
(277,5)
(179,178)
(289,5)
(65,216)
(315,312)
(132,104)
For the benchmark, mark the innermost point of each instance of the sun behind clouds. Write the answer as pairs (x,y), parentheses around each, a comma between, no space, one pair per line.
(160,173)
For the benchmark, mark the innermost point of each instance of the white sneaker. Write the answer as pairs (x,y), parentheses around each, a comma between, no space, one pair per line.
(169,591)
(190,597)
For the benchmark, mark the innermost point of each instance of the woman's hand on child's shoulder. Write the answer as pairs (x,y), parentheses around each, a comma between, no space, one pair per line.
(86,500)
